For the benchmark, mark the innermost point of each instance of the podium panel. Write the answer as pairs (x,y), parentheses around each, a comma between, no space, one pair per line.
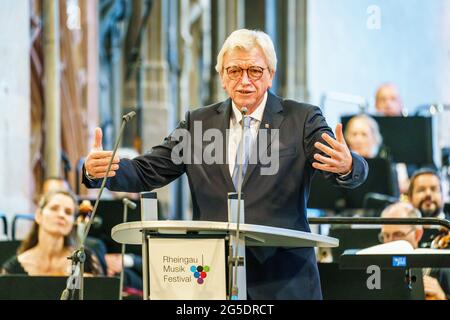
(187,269)
(144,232)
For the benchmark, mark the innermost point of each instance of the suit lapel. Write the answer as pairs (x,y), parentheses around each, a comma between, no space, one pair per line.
(223,124)
(272,119)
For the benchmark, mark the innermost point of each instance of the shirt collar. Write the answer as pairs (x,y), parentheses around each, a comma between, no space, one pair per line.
(257,114)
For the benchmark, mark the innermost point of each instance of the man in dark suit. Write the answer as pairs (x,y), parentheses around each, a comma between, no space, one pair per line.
(298,132)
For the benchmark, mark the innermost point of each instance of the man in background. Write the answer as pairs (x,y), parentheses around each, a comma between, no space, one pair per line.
(388,102)
(425,193)
(436,281)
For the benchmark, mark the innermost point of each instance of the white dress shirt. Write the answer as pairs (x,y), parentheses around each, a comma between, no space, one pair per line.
(236,129)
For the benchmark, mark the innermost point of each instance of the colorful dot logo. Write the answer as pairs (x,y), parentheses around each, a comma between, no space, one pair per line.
(200,273)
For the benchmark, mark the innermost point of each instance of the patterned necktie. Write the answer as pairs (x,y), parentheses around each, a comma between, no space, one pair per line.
(246,153)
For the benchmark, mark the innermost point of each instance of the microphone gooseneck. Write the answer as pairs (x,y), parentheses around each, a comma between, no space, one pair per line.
(78,256)
(125,119)
(235,291)
(130,204)
(126,204)
(129,116)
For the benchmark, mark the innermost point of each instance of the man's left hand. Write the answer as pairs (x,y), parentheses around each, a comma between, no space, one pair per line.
(340,159)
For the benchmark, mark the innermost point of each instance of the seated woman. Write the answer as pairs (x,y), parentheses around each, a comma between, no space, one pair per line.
(51,240)
(363,137)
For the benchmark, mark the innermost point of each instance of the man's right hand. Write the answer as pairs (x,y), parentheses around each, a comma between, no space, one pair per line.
(97,160)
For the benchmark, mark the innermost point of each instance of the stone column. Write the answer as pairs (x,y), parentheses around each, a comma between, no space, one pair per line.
(155,90)
(52,82)
(15,172)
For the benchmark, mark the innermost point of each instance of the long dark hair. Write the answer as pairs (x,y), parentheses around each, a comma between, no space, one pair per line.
(31,240)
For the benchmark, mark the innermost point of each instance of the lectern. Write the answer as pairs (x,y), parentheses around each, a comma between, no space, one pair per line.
(189,259)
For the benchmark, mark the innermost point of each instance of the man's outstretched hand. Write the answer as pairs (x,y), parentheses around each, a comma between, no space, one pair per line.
(339,158)
(97,160)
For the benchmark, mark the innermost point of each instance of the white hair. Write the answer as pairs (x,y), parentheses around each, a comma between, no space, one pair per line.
(246,40)
(397,208)
(374,129)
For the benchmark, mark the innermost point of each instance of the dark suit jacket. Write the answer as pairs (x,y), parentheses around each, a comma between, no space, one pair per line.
(274,200)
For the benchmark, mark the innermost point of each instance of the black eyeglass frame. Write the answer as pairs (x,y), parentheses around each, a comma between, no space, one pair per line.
(248,70)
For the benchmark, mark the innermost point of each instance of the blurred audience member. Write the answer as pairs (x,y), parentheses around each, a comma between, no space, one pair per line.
(363,137)
(55,183)
(51,240)
(436,281)
(425,193)
(132,271)
(392,232)
(388,102)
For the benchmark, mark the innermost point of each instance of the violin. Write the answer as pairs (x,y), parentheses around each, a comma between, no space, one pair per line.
(84,215)
(441,240)
(84,211)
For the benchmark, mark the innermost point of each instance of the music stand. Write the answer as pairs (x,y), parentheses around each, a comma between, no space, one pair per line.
(8,249)
(360,238)
(24,287)
(382,179)
(341,284)
(353,238)
(408,139)
(111,214)
(324,195)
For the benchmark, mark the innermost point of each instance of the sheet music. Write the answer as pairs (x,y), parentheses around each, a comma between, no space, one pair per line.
(399,247)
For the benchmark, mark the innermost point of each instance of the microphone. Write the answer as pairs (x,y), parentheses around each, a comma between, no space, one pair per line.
(129,204)
(78,257)
(234,290)
(129,116)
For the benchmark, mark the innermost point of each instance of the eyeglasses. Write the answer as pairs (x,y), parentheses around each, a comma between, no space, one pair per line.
(253,72)
(398,235)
